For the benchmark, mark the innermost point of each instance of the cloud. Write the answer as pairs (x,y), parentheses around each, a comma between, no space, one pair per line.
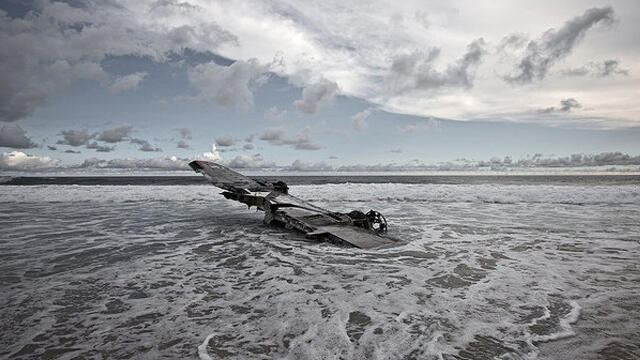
(316,96)
(554,45)
(605,68)
(185,133)
(274,114)
(246,161)
(213,155)
(422,18)
(128,82)
(13,136)
(611,67)
(276,136)
(415,71)
(56,44)
(566,105)
(299,165)
(224,141)
(227,85)
(17,160)
(515,40)
(144,145)
(182,145)
(69,151)
(248,146)
(100,148)
(358,121)
(75,137)
(574,160)
(396,151)
(159,163)
(52,148)
(430,124)
(116,134)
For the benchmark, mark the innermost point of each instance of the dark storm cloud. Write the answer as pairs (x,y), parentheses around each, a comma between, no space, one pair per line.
(75,137)
(566,105)
(416,71)
(224,141)
(554,44)
(316,96)
(277,136)
(13,136)
(144,145)
(605,68)
(59,42)
(117,134)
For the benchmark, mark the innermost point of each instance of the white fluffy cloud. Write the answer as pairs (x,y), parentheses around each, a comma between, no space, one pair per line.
(213,155)
(227,85)
(274,114)
(359,120)
(17,160)
(128,82)
(316,96)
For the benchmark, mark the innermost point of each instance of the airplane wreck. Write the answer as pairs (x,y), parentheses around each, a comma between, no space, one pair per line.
(356,228)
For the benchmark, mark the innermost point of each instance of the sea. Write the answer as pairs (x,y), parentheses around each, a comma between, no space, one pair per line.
(163,267)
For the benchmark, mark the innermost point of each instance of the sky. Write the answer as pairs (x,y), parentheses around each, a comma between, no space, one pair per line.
(332,86)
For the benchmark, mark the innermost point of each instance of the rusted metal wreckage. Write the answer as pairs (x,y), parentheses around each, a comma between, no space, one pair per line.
(362,230)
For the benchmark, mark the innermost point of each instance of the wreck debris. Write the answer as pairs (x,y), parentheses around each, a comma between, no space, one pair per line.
(356,228)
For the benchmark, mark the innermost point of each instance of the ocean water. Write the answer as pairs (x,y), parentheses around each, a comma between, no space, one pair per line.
(495,269)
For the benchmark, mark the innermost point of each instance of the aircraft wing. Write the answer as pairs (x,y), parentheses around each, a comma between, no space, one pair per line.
(352,235)
(228,179)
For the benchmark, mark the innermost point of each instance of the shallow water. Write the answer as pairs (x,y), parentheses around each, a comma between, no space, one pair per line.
(486,271)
